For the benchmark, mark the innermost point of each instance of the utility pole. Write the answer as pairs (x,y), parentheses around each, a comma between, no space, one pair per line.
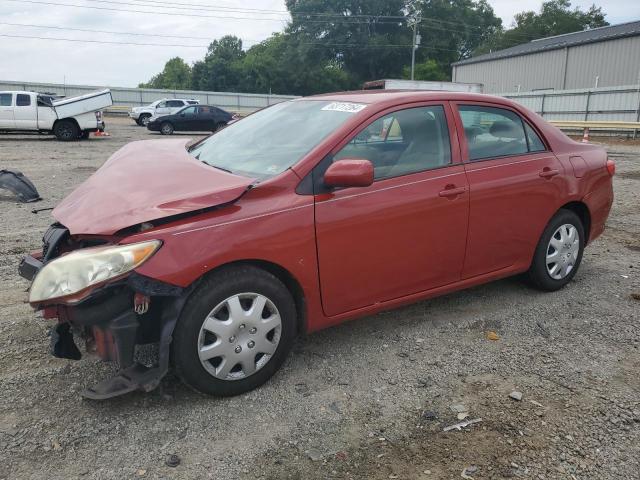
(414,44)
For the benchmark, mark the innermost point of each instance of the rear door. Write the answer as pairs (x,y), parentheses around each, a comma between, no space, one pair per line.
(175,105)
(516,184)
(25,113)
(404,234)
(6,110)
(206,120)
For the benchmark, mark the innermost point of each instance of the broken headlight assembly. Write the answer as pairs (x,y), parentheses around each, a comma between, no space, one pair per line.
(70,274)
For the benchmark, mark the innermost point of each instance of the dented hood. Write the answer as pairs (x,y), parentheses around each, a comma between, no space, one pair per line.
(145,181)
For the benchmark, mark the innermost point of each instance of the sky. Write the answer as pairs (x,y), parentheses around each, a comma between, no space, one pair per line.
(55,61)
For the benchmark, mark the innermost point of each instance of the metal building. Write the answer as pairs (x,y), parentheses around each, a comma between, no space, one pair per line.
(600,57)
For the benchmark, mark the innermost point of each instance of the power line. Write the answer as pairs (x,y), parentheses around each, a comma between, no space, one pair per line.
(108,42)
(173,14)
(219,8)
(113,42)
(108,31)
(344,18)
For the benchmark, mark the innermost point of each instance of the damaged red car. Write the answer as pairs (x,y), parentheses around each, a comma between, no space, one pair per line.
(304,215)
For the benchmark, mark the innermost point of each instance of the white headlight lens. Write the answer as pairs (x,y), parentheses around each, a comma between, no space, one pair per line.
(83,268)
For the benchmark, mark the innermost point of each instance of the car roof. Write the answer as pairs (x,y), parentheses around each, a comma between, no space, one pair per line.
(390,96)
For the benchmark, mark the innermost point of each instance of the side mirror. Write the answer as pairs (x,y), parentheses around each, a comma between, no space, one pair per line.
(350,172)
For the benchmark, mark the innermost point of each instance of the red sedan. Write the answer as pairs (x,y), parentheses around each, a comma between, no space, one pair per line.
(304,215)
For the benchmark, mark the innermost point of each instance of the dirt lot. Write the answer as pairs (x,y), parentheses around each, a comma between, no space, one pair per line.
(368,399)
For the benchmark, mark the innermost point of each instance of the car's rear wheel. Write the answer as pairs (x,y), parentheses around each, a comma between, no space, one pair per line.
(166,128)
(66,130)
(235,331)
(143,119)
(559,252)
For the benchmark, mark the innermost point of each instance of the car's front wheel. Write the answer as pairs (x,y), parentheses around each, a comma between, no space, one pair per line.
(559,252)
(166,128)
(143,119)
(235,331)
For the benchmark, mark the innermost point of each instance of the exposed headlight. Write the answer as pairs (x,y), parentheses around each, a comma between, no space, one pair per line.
(76,271)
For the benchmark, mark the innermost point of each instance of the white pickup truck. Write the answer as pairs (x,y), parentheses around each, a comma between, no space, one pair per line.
(67,118)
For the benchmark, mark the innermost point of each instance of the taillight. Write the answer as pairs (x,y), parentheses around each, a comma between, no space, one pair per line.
(611,167)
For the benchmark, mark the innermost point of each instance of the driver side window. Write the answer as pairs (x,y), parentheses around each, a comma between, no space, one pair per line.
(403,142)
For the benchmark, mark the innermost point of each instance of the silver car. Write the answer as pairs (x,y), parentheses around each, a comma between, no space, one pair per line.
(159,108)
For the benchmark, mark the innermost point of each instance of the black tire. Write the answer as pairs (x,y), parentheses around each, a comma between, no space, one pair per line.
(66,130)
(218,126)
(166,128)
(138,122)
(143,119)
(84,135)
(538,274)
(211,292)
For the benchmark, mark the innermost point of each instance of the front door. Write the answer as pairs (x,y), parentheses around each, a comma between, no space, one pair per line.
(163,108)
(187,119)
(516,185)
(6,111)
(406,233)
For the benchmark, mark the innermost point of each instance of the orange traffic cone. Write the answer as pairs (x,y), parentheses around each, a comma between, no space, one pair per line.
(585,136)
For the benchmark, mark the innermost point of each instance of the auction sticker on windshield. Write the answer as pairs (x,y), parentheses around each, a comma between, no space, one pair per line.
(344,107)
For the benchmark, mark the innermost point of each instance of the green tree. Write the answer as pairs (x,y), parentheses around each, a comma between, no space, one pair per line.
(220,70)
(428,70)
(175,75)
(364,39)
(555,18)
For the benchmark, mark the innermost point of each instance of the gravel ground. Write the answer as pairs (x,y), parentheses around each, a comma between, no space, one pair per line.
(368,399)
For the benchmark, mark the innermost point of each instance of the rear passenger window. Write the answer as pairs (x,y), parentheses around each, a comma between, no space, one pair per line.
(493,132)
(403,142)
(5,99)
(23,100)
(535,144)
(175,103)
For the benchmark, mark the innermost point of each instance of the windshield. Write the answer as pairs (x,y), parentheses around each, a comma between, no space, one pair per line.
(272,140)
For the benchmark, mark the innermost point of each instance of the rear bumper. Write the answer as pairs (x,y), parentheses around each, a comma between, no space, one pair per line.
(154,127)
(599,203)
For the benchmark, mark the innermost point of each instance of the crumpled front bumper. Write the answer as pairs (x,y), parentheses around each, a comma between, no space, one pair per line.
(111,321)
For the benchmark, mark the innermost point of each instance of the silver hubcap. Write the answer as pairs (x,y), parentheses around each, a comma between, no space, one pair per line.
(562,251)
(239,336)
(165,129)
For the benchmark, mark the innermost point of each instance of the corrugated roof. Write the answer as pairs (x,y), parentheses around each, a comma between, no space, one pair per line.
(561,41)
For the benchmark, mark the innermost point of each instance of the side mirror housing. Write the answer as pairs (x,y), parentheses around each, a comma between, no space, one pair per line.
(349,172)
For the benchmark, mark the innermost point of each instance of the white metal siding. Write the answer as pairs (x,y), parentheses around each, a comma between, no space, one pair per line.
(616,62)
(532,72)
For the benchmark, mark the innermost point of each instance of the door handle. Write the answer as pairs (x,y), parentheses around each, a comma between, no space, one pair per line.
(452,191)
(548,173)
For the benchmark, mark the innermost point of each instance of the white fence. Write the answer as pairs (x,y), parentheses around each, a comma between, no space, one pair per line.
(133,97)
(595,104)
